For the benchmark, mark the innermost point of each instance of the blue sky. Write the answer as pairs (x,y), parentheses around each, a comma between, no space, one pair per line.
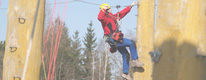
(79,15)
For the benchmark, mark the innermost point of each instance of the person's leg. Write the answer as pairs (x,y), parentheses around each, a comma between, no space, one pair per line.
(132,46)
(125,58)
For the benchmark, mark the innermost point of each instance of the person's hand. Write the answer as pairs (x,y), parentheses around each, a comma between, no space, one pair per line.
(134,3)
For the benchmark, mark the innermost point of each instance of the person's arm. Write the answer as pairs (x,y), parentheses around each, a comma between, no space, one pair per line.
(125,10)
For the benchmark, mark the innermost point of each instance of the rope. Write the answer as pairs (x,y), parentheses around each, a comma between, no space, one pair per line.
(62,2)
(45,48)
(57,35)
(86,2)
(96,3)
(0,2)
(61,26)
(0,6)
(31,41)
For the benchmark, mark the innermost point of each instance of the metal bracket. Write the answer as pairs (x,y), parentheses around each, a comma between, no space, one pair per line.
(22,20)
(118,6)
(13,49)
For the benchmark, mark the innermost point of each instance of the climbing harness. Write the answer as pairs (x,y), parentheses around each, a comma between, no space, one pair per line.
(117,36)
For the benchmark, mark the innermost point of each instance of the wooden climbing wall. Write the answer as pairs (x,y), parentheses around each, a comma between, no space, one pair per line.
(180,36)
(18,38)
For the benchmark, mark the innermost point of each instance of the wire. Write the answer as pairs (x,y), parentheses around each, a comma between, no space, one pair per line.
(50,4)
(3,8)
(86,2)
(62,2)
(97,4)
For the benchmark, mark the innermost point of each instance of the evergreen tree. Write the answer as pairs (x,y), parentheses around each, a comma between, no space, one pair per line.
(2,49)
(90,45)
(75,53)
(63,61)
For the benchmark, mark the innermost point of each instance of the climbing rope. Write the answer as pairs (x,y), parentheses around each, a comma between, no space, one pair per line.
(45,48)
(54,47)
(0,2)
(61,28)
(30,43)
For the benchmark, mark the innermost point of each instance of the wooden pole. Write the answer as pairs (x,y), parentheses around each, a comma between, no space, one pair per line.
(180,35)
(21,14)
(145,34)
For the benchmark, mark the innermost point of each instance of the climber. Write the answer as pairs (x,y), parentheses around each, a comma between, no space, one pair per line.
(114,37)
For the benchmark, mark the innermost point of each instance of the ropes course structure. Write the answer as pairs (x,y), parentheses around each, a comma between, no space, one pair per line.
(51,60)
(49,56)
(179,37)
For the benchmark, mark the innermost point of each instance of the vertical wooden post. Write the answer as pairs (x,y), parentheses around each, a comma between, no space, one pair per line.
(145,34)
(180,35)
(21,15)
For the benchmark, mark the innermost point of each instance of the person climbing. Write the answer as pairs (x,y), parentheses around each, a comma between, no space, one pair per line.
(114,37)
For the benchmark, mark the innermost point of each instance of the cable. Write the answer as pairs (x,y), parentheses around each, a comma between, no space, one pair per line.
(47,4)
(62,2)
(88,2)
(30,43)
(79,1)
(97,4)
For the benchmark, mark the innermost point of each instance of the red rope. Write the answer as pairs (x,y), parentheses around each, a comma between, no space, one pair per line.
(54,56)
(57,35)
(45,54)
(0,6)
(53,13)
(59,39)
(50,63)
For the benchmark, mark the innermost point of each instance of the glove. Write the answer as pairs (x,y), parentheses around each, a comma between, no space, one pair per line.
(112,50)
(134,3)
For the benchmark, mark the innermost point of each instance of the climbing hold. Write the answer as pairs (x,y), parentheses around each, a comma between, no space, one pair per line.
(22,20)
(155,55)
(13,49)
(17,78)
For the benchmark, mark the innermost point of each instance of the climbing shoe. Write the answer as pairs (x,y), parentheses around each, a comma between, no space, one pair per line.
(126,76)
(136,63)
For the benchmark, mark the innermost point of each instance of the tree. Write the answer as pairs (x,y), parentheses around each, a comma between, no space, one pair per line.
(2,49)
(63,57)
(75,56)
(90,45)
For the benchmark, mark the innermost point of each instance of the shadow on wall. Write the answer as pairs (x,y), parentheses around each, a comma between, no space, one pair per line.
(179,62)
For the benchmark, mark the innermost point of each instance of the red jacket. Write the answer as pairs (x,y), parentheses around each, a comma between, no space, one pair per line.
(109,20)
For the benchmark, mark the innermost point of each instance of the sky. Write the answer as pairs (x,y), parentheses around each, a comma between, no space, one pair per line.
(79,15)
